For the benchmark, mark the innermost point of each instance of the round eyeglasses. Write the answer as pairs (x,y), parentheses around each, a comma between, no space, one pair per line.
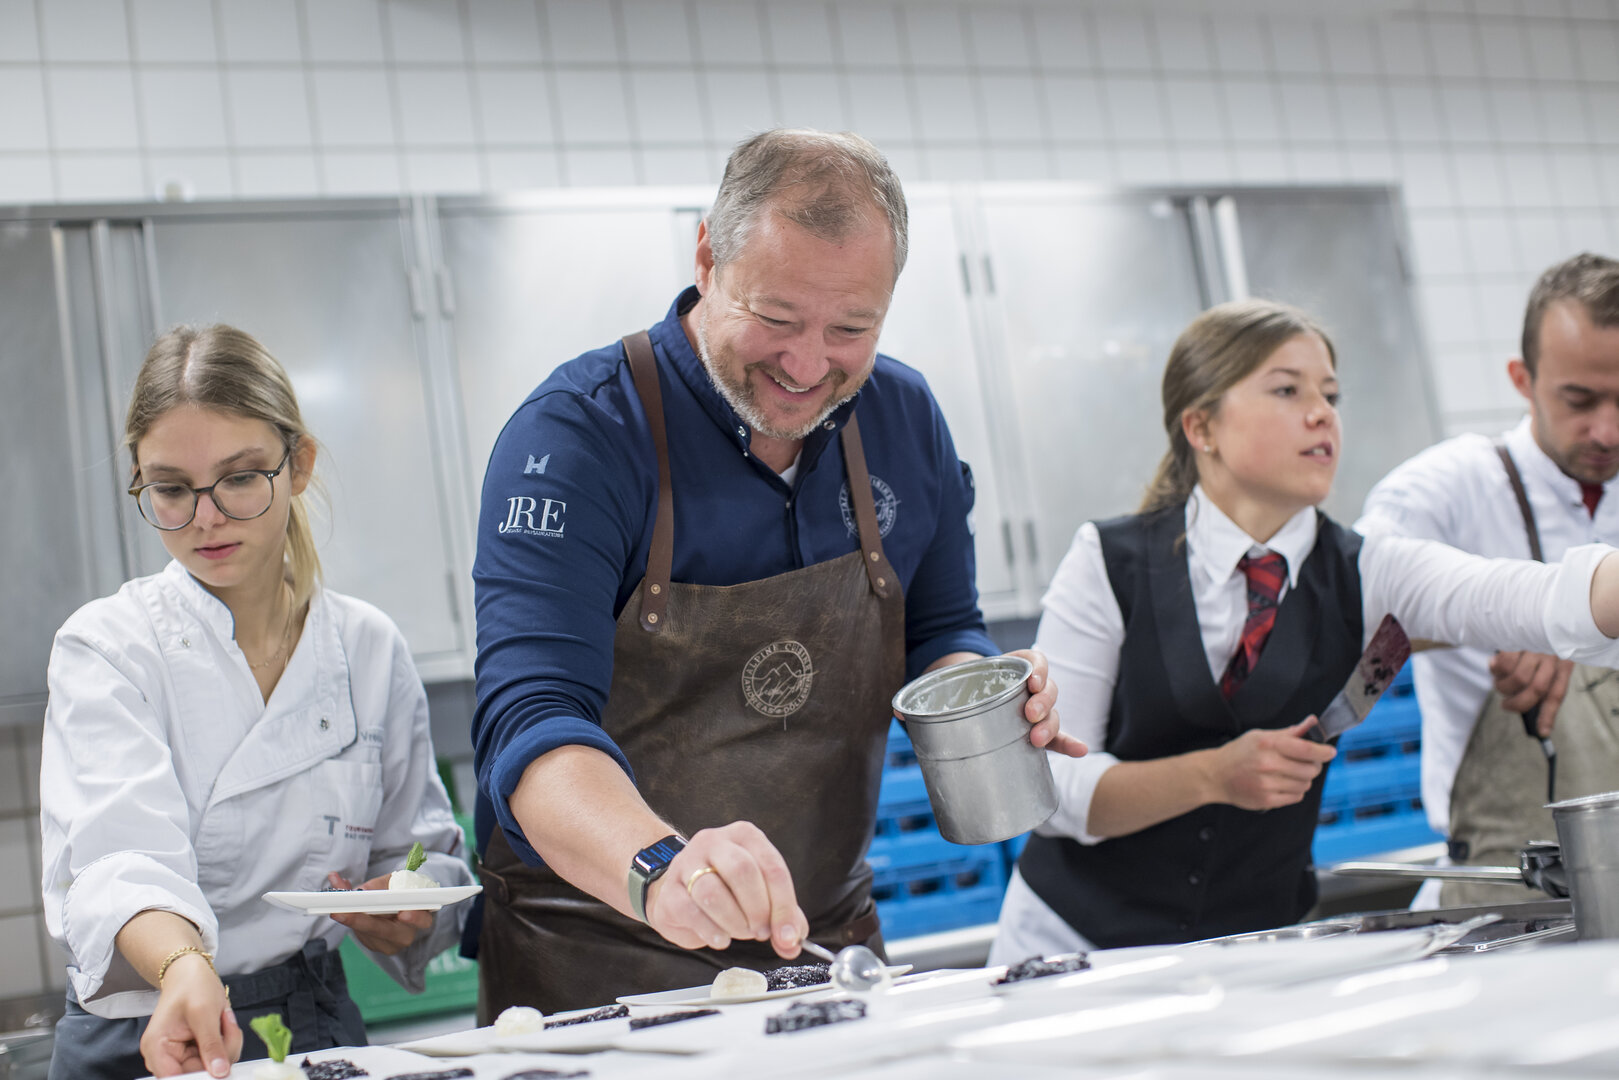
(241,495)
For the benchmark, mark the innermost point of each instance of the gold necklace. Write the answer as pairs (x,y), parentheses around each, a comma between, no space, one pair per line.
(286,636)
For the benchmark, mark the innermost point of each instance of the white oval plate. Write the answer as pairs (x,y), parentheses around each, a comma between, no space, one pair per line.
(698,995)
(372,901)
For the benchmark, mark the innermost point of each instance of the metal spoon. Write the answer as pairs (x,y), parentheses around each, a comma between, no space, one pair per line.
(855,968)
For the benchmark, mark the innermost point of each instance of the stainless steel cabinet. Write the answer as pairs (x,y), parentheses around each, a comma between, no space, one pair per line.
(1040,314)
(933,326)
(1090,291)
(55,556)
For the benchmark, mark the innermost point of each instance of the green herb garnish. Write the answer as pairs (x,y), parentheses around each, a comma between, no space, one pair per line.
(416,857)
(276,1035)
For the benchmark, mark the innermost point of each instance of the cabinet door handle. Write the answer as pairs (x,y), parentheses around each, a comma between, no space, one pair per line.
(1006,539)
(446,292)
(989,276)
(966,277)
(418,293)
(1034,545)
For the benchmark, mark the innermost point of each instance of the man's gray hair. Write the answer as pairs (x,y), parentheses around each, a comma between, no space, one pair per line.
(824,182)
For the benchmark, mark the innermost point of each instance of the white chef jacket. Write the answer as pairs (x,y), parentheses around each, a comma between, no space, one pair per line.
(1436,592)
(168,783)
(1457,492)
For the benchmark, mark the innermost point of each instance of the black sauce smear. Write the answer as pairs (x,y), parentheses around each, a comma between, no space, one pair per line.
(544,1074)
(639,1022)
(804,1014)
(1036,967)
(606,1012)
(442,1074)
(335,1069)
(797,975)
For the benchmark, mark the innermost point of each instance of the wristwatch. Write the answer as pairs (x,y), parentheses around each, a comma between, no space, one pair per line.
(648,866)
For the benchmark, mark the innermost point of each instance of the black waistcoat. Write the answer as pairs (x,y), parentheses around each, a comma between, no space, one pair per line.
(1218,869)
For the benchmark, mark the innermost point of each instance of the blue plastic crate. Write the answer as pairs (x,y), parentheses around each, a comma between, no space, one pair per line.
(1394,726)
(926,899)
(1010,850)
(900,752)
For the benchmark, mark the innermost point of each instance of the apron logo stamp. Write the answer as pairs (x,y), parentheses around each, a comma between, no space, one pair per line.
(882,495)
(776,681)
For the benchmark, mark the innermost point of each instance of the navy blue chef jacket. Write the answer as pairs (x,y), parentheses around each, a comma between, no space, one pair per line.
(566,522)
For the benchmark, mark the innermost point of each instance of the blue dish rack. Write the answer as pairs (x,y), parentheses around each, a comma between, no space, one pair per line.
(922,882)
(1372,800)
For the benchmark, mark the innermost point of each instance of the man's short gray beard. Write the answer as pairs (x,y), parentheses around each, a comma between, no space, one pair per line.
(749,412)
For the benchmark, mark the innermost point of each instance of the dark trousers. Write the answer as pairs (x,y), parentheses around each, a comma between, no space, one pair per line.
(309,991)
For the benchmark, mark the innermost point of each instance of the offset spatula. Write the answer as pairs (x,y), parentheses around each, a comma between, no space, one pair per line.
(1384,657)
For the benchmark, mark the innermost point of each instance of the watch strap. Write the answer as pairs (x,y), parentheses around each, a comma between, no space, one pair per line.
(648,866)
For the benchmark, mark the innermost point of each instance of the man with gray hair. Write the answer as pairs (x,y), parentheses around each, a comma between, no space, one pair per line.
(1534,492)
(750,529)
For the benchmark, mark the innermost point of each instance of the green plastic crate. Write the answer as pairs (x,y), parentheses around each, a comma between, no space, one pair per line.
(452,986)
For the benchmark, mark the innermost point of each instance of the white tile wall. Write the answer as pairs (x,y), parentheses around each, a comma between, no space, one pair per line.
(1499,118)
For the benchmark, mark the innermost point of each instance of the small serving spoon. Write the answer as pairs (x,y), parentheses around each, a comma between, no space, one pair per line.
(855,968)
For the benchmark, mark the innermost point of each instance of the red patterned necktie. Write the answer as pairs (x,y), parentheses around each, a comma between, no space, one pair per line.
(1265,576)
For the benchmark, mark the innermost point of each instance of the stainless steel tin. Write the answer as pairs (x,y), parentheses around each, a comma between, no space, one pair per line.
(1588,832)
(986,781)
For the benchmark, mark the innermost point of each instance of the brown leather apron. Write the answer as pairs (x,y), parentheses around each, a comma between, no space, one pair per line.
(1498,802)
(768,702)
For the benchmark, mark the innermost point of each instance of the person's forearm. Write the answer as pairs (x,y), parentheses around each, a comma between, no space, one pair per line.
(152,936)
(951,658)
(1133,795)
(1605,596)
(584,817)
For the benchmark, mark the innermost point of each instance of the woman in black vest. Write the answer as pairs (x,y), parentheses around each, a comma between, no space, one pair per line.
(1196,640)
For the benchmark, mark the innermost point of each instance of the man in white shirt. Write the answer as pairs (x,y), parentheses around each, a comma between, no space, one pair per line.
(1536,492)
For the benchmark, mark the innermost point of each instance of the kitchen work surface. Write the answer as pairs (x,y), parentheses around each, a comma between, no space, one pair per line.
(1341,1004)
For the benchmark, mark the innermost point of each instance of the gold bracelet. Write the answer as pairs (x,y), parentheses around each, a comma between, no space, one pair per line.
(163,968)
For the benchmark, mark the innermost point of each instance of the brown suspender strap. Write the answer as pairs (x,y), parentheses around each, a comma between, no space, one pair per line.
(660,559)
(1516,480)
(878,571)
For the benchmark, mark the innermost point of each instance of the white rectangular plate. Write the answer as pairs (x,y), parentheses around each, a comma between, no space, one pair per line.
(698,995)
(372,901)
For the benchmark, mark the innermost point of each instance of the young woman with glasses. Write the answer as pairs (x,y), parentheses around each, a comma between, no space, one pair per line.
(224,728)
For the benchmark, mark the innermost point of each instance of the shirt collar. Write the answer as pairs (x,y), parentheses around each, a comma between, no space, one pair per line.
(1535,465)
(670,337)
(1215,543)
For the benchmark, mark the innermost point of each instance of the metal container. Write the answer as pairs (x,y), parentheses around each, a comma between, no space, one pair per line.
(1588,832)
(986,781)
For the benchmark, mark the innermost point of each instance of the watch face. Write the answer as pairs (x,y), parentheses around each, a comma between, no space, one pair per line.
(658,855)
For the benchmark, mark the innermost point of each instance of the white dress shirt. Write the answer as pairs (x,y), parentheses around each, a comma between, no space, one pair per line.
(1436,592)
(1457,492)
(167,782)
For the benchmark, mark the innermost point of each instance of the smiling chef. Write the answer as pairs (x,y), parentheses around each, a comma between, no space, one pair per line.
(707,558)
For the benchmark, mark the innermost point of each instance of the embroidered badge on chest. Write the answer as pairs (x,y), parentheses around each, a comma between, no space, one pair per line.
(776,681)
(887,504)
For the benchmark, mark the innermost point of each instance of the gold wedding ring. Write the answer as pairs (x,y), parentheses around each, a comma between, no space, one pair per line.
(697,873)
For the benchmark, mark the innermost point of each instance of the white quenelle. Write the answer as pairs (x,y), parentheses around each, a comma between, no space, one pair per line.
(736,983)
(278,1070)
(410,877)
(519,1020)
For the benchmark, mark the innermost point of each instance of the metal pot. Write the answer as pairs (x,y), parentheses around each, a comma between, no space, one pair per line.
(1588,831)
(986,781)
